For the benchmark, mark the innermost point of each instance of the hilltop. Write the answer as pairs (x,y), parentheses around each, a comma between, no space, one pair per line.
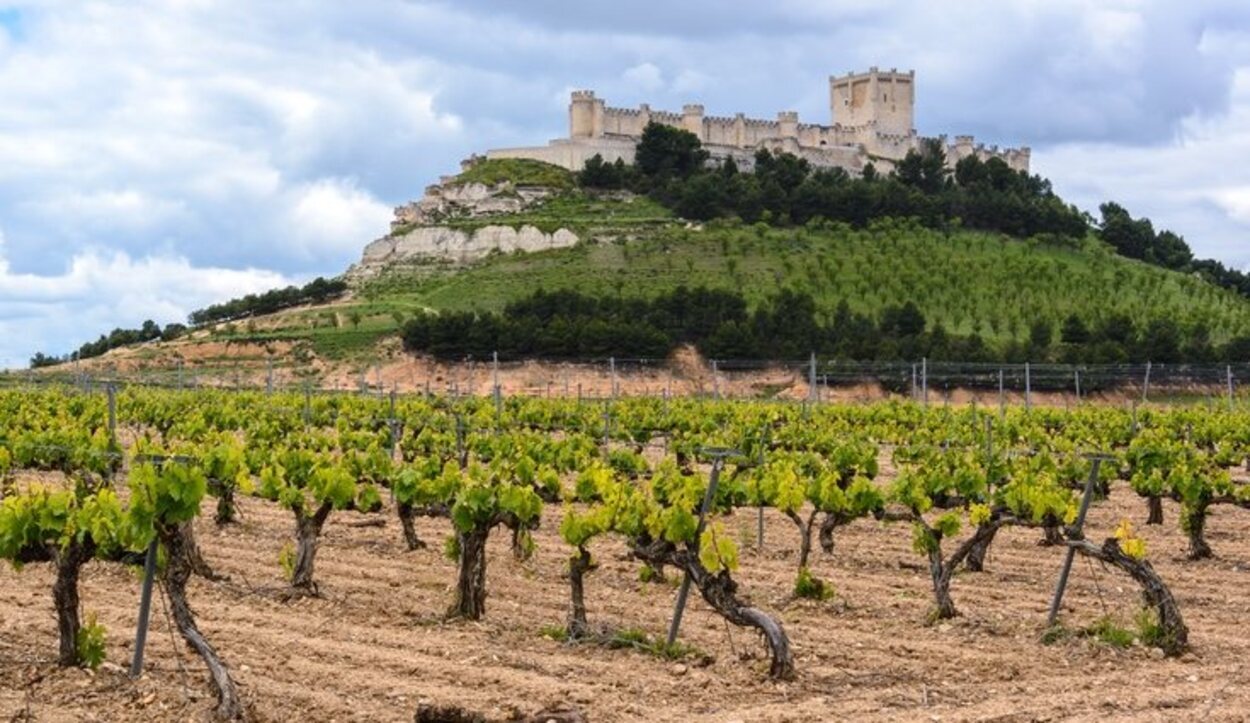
(1021,284)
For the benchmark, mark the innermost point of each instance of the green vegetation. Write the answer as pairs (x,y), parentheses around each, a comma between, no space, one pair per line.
(519,171)
(966,282)
(580,212)
(810,587)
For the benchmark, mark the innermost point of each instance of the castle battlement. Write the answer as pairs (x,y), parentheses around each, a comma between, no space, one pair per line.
(871,118)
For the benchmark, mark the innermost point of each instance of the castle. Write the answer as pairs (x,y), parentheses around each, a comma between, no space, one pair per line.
(872,115)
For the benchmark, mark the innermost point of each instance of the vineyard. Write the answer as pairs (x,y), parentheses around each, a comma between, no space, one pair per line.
(372,558)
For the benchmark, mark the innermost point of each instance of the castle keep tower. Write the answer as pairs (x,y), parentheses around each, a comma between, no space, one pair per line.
(886,100)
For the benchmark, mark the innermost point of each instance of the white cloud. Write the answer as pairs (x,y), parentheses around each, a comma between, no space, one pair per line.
(1235,202)
(334,214)
(1192,185)
(101,290)
(645,76)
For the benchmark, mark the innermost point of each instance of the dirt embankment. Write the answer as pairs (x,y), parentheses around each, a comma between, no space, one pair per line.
(685,373)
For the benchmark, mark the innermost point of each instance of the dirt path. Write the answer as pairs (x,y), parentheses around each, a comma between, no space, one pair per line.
(374,645)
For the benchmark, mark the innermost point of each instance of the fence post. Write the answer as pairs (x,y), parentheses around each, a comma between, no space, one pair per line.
(913,381)
(307,404)
(924,380)
(1028,388)
(1145,389)
(811,379)
(498,393)
(1078,385)
(715,381)
(1002,397)
(612,376)
(112,398)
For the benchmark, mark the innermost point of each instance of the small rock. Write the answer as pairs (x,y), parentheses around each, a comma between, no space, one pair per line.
(678,669)
(1192,678)
(944,628)
(1157,653)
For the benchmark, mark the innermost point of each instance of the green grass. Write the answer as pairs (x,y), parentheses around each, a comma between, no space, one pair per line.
(521,172)
(578,212)
(810,587)
(968,281)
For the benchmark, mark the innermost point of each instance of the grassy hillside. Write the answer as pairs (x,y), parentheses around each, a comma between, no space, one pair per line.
(969,281)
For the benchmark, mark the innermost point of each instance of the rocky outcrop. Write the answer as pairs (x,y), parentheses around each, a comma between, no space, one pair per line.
(447,201)
(443,228)
(441,244)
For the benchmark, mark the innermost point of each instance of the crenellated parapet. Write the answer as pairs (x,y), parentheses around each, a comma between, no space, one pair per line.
(871,114)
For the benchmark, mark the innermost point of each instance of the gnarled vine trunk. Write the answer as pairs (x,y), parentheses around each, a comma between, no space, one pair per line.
(976,557)
(940,575)
(941,570)
(1154,516)
(1195,523)
(522,544)
(195,558)
(1174,636)
(177,573)
(579,565)
(805,535)
(225,503)
(307,537)
(827,527)
(69,562)
(719,591)
(471,582)
(406,521)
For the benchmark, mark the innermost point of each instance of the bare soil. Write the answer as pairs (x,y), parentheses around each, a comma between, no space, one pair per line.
(375,644)
(684,374)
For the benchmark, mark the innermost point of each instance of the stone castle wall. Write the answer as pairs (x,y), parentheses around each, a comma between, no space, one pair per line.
(872,117)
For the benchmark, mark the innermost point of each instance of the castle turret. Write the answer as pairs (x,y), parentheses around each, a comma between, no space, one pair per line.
(692,119)
(788,124)
(585,115)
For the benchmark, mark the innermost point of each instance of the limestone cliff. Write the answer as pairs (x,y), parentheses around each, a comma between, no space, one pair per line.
(439,229)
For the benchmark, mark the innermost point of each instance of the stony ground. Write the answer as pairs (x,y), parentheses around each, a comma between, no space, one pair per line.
(374,645)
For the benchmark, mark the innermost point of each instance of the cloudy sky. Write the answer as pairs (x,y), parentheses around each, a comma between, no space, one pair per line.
(159,155)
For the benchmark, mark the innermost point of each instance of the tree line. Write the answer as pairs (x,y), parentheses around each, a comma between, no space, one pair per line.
(570,325)
(148,331)
(317,291)
(672,167)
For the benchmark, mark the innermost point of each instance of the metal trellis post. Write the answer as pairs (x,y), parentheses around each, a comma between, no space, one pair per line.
(1076,532)
(718,457)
